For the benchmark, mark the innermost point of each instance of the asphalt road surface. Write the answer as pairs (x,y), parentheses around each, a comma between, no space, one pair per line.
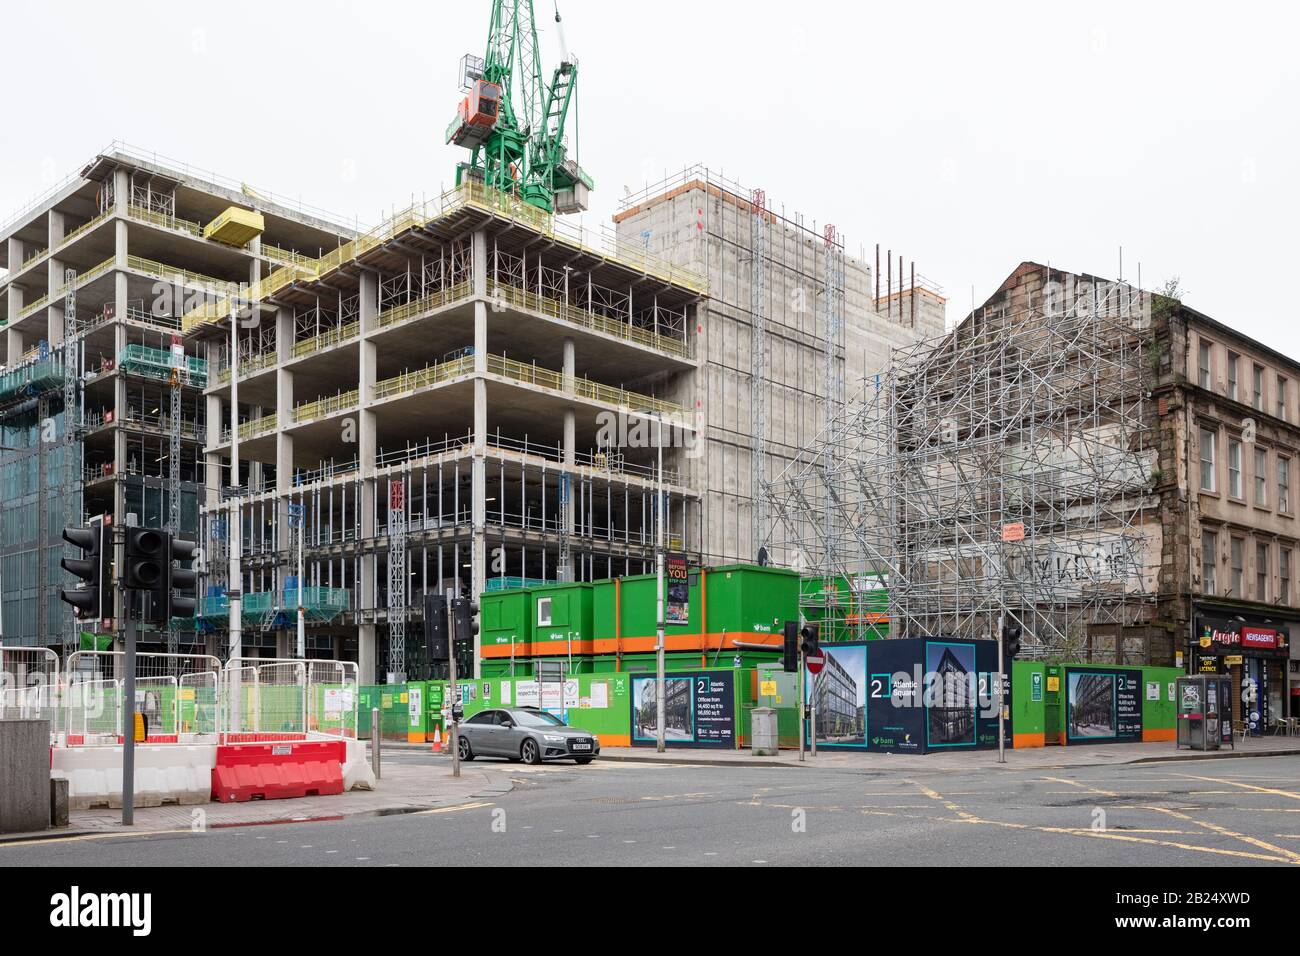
(1192,813)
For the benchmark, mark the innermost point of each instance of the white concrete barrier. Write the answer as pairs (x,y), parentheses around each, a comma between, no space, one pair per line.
(357,772)
(164,773)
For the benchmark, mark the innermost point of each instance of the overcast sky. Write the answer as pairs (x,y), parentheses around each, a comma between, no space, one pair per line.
(967,136)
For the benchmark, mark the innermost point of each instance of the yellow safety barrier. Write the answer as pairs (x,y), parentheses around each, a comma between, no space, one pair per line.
(142,214)
(326,339)
(325,406)
(422,378)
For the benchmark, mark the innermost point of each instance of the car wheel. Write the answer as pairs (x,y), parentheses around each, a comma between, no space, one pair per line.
(582,761)
(466,751)
(529,752)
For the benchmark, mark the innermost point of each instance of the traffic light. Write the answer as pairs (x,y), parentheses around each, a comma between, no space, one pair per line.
(180,579)
(464,619)
(436,648)
(1011,640)
(790,648)
(808,640)
(145,561)
(93,600)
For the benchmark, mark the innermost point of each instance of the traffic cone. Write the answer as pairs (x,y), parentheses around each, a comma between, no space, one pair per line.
(437,739)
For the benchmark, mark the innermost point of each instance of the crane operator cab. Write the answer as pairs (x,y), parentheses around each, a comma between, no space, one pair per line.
(477,115)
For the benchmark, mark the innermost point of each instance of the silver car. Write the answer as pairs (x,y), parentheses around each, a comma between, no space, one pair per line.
(523,733)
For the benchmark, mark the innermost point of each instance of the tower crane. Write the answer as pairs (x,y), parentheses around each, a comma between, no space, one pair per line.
(513,122)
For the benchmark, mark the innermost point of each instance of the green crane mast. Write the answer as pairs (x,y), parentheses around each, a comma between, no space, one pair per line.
(513,122)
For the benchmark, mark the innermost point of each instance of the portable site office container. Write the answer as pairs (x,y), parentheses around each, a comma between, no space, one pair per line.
(596,626)
(846,614)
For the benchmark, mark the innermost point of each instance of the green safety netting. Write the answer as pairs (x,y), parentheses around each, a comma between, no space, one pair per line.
(271,608)
(157,363)
(31,379)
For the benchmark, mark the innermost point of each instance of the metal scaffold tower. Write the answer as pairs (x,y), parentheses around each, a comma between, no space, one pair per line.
(564,563)
(178,374)
(1004,468)
(832,296)
(70,486)
(397,579)
(758,383)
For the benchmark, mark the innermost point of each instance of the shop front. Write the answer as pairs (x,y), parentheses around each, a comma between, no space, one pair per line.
(1252,650)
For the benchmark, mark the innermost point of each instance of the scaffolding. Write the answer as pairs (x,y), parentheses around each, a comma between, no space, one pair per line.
(1004,469)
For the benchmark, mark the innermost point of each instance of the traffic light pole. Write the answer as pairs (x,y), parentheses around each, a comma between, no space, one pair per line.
(1002,755)
(803,703)
(128,719)
(660,679)
(454,689)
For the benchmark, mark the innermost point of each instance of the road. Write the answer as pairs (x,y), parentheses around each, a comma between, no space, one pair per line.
(1211,812)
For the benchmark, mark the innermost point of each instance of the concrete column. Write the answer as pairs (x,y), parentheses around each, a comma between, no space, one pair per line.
(286,640)
(16,253)
(54,279)
(119,406)
(212,458)
(120,246)
(478,471)
(57,228)
(570,370)
(121,190)
(121,298)
(367,644)
(13,337)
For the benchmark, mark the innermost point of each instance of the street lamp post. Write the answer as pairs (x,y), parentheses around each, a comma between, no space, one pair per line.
(659,588)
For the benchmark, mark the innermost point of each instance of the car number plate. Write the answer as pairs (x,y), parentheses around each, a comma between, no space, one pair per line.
(580,745)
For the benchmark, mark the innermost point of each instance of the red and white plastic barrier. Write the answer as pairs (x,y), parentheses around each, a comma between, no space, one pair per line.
(278,771)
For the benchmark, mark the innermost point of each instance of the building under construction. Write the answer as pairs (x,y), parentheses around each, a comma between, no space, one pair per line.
(467,396)
(999,473)
(97,274)
(790,324)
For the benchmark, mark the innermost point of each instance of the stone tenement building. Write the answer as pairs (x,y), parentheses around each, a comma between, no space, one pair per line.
(1228,408)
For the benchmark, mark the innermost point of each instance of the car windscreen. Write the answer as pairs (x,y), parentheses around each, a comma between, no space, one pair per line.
(535,718)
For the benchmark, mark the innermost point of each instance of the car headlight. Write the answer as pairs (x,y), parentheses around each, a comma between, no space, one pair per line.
(553,738)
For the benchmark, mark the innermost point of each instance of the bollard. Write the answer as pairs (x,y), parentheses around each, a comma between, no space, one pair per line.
(374,741)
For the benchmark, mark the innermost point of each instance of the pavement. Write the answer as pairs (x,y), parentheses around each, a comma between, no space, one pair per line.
(404,787)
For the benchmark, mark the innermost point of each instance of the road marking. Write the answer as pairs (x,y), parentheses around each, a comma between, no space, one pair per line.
(45,841)
(1244,786)
(965,817)
(1224,831)
(463,806)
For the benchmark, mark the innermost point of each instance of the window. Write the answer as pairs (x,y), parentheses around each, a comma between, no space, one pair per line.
(1261,572)
(1209,558)
(1204,377)
(1207,460)
(543,612)
(1261,476)
(1238,567)
(488,717)
(1281,398)
(1233,360)
(1234,469)
(1259,388)
(1284,485)
(1284,575)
